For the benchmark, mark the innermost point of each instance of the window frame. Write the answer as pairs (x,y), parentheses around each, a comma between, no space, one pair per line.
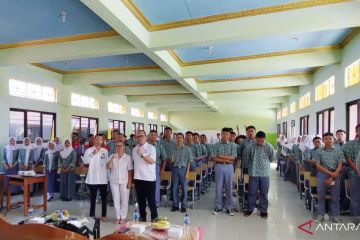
(348,105)
(119,121)
(304,131)
(25,111)
(137,127)
(284,128)
(153,127)
(88,131)
(322,112)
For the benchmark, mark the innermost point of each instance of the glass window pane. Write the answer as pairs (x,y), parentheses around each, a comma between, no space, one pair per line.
(17,127)
(33,125)
(49,94)
(34,91)
(122,127)
(353,120)
(93,126)
(85,101)
(17,88)
(332,121)
(326,121)
(75,124)
(48,128)
(84,131)
(75,100)
(320,124)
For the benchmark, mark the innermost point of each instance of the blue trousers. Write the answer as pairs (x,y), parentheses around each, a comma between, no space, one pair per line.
(157,190)
(262,185)
(224,174)
(178,179)
(355,195)
(51,180)
(322,189)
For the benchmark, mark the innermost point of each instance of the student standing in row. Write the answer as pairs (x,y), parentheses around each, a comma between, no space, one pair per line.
(50,169)
(160,162)
(180,157)
(260,154)
(224,154)
(329,162)
(66,166)
(39,151)
(26,155)
(96,178)
(121,170)
(10,161)
(250,134)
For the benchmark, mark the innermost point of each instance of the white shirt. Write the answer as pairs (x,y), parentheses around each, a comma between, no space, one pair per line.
(120,167)
(144,170)
(97,173)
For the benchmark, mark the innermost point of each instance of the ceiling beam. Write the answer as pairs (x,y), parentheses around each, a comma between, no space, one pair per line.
(127,91)
(258,100)
(114,77)
(252,94)
(265,82)
(157,98)
(291,60)
(184,109)
(175,104)
(121,19)
(240,104)
(342,15)
(97,47)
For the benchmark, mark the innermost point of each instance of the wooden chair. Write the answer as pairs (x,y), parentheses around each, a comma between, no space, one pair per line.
(165,184)
(314,194)
(81,171)
(35,231)
(210,172)
(307,187)
(192,187)
(236,184)
(204,173)
(301,181)
(198,181)
(245,188)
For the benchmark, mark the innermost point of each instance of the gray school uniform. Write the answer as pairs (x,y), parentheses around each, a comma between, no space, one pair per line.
(22,156)
(12,171)
(67,180)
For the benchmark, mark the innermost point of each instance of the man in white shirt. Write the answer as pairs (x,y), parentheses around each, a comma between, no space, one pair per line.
(144,157)
(96,178)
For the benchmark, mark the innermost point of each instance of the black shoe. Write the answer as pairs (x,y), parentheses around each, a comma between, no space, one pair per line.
(264,215)
(216,211)
(183,210)
(247,213)
(174,209)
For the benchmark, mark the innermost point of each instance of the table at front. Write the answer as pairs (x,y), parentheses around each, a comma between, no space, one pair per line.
(25,182)
(2,183)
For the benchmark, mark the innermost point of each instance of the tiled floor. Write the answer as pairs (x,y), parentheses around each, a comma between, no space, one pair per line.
(286,212)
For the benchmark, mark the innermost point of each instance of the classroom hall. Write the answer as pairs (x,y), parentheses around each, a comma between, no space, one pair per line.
(181,119)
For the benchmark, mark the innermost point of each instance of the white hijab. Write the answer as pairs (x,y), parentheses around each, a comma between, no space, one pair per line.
(50,153)
(27,150)
(9,150)
(66,150)
(38,148)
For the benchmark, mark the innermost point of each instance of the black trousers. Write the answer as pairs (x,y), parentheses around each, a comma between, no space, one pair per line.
(145,190)
(93,194)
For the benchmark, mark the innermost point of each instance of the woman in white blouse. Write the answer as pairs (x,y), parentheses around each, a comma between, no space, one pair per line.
(121,168)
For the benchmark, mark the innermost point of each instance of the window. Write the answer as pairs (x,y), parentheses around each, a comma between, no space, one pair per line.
(278,115)
(352,74)
(33,91)
(292,129)
(115,125)
(325,121)
(116,108)
(352,118)
(163,118)
(153,127)
(278,129)
(84,101)
(284,124)
(163,128)
(152,115)
(136,112)
(304,125)
(137,127)
(84,126)
(285,112)
(293,107)
(304,101)
(32,124)
(325,89)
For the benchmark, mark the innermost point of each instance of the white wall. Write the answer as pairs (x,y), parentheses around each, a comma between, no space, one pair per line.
(62,108)
(342,95)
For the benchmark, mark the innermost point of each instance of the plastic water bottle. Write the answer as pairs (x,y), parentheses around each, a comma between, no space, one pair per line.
(186,220)
(30,209)
(136,214)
